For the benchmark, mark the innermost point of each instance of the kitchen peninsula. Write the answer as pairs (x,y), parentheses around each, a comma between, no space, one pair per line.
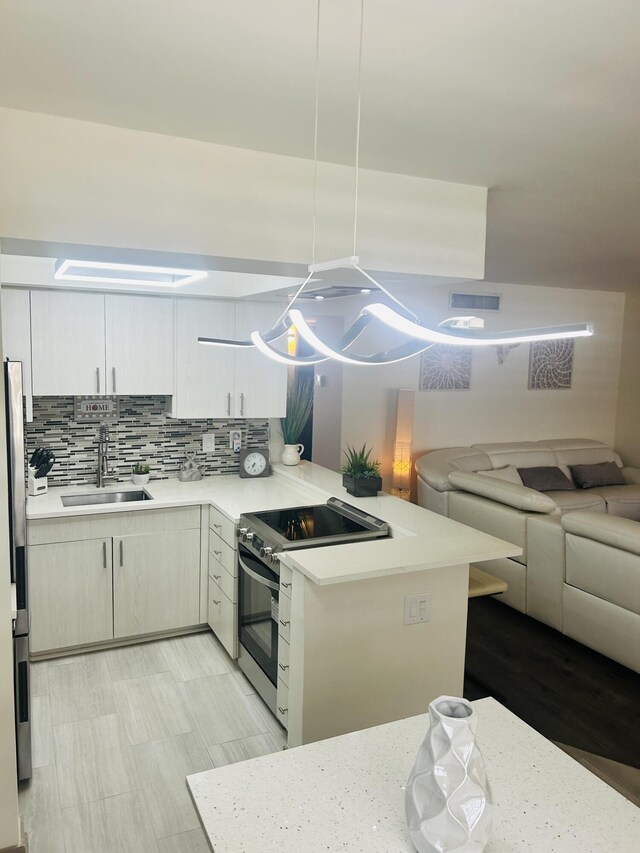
(351,661)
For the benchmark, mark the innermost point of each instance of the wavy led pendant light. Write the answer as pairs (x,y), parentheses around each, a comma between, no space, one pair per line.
(455,331)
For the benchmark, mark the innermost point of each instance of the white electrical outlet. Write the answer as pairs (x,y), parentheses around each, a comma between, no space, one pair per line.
(235,440)
(208,442)
(417,608)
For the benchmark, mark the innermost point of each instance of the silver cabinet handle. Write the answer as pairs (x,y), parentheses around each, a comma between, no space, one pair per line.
(282,710)
(122,552)
(285,585)
(217,527)
(216,577)
(283,667)
(113,374)
(229,404)
(241,405)
(104,555)
(217,553)
(98,379)
(213,601)
(284,624)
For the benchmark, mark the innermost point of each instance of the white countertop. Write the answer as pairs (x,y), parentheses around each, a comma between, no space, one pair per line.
(420,539)
(347,793)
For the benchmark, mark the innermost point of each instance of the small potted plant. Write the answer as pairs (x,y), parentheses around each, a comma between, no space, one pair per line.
(299,405)
(140,474)
(361,475)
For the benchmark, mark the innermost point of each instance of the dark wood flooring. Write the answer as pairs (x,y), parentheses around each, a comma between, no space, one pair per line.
(564,690)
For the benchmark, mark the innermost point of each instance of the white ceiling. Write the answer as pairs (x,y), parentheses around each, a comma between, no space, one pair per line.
(538,100)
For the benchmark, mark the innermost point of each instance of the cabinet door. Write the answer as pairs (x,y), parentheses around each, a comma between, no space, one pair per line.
(204,374)
(223,618)
(67,343)
(16,335)
(156,582)
(70,590)
(139,345)
(261,383)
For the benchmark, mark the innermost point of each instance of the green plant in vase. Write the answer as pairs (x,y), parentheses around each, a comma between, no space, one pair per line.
(299,405)
(361,474)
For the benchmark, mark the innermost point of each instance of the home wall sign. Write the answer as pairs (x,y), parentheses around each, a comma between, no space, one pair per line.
(96,408)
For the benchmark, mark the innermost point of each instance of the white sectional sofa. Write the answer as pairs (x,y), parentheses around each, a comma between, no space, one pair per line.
(580,577)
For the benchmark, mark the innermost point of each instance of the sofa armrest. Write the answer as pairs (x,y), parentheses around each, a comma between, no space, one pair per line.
(622,533)
(631,476)
(511,494)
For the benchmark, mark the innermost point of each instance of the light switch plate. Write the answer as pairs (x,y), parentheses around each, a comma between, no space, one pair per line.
(208,442)
(417,608)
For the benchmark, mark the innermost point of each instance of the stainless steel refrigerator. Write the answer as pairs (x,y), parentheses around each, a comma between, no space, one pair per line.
(18,551)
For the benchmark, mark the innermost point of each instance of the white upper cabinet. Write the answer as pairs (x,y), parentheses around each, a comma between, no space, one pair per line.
(139,345)
(260,382)
(67,343)
(16,331)
(221,382)
(205,375)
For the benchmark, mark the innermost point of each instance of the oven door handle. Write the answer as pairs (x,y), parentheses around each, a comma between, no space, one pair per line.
(264,581)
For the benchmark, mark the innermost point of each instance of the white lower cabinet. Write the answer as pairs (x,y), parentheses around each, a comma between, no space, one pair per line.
(97,578)
(156,581)
(70,589)
(223,618)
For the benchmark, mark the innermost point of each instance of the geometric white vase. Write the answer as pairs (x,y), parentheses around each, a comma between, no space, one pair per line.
(448,801)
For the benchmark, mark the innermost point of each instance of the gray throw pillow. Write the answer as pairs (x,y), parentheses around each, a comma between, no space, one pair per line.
(602,474)
(545,479)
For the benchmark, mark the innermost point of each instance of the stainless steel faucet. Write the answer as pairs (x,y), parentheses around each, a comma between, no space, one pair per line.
(104,471)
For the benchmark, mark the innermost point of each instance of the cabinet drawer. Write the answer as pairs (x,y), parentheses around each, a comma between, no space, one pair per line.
(286,576)
(223,526)
(283,704)
(223,579)
(284,618)
(283,660)
(111,524)
(223,618)
(222,552)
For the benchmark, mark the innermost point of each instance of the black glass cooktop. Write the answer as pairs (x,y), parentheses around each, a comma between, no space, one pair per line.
(309,522)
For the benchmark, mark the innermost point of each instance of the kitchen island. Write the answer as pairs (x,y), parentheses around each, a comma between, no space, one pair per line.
(349,655)
(347,793)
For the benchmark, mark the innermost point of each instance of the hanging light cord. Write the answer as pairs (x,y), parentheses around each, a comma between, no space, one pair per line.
(358,120)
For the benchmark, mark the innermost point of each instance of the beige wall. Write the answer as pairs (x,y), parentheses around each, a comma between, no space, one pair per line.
(498,407)
(628,420)
(79,182)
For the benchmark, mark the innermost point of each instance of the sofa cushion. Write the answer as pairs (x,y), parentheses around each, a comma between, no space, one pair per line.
(604,571)
(600,474)
(509,473)
(575,499)
(522,454)
(546,478)
(621,501)
(511,494)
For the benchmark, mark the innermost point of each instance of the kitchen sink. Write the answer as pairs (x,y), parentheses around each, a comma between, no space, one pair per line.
(106,498)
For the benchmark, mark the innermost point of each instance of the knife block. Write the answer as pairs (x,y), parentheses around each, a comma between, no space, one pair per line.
(37,486)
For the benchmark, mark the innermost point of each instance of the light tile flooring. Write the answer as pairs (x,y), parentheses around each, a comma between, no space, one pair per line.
(116,732)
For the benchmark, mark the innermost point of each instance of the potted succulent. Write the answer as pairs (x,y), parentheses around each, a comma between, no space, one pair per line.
(299,405)
(140,474)
(360,474)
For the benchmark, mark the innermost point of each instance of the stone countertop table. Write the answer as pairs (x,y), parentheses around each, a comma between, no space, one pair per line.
(420,539)
(347,794)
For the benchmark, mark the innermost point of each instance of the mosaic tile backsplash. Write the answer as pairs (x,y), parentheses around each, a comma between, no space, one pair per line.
(142,433)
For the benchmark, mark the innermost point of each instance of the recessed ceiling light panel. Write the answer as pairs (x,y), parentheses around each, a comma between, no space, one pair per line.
(102,272)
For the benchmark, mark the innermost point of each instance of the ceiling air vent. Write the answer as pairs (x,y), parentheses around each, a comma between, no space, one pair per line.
(475,301)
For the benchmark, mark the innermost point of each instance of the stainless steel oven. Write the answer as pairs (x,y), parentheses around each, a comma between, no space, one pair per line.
(258,604)
(264,538)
